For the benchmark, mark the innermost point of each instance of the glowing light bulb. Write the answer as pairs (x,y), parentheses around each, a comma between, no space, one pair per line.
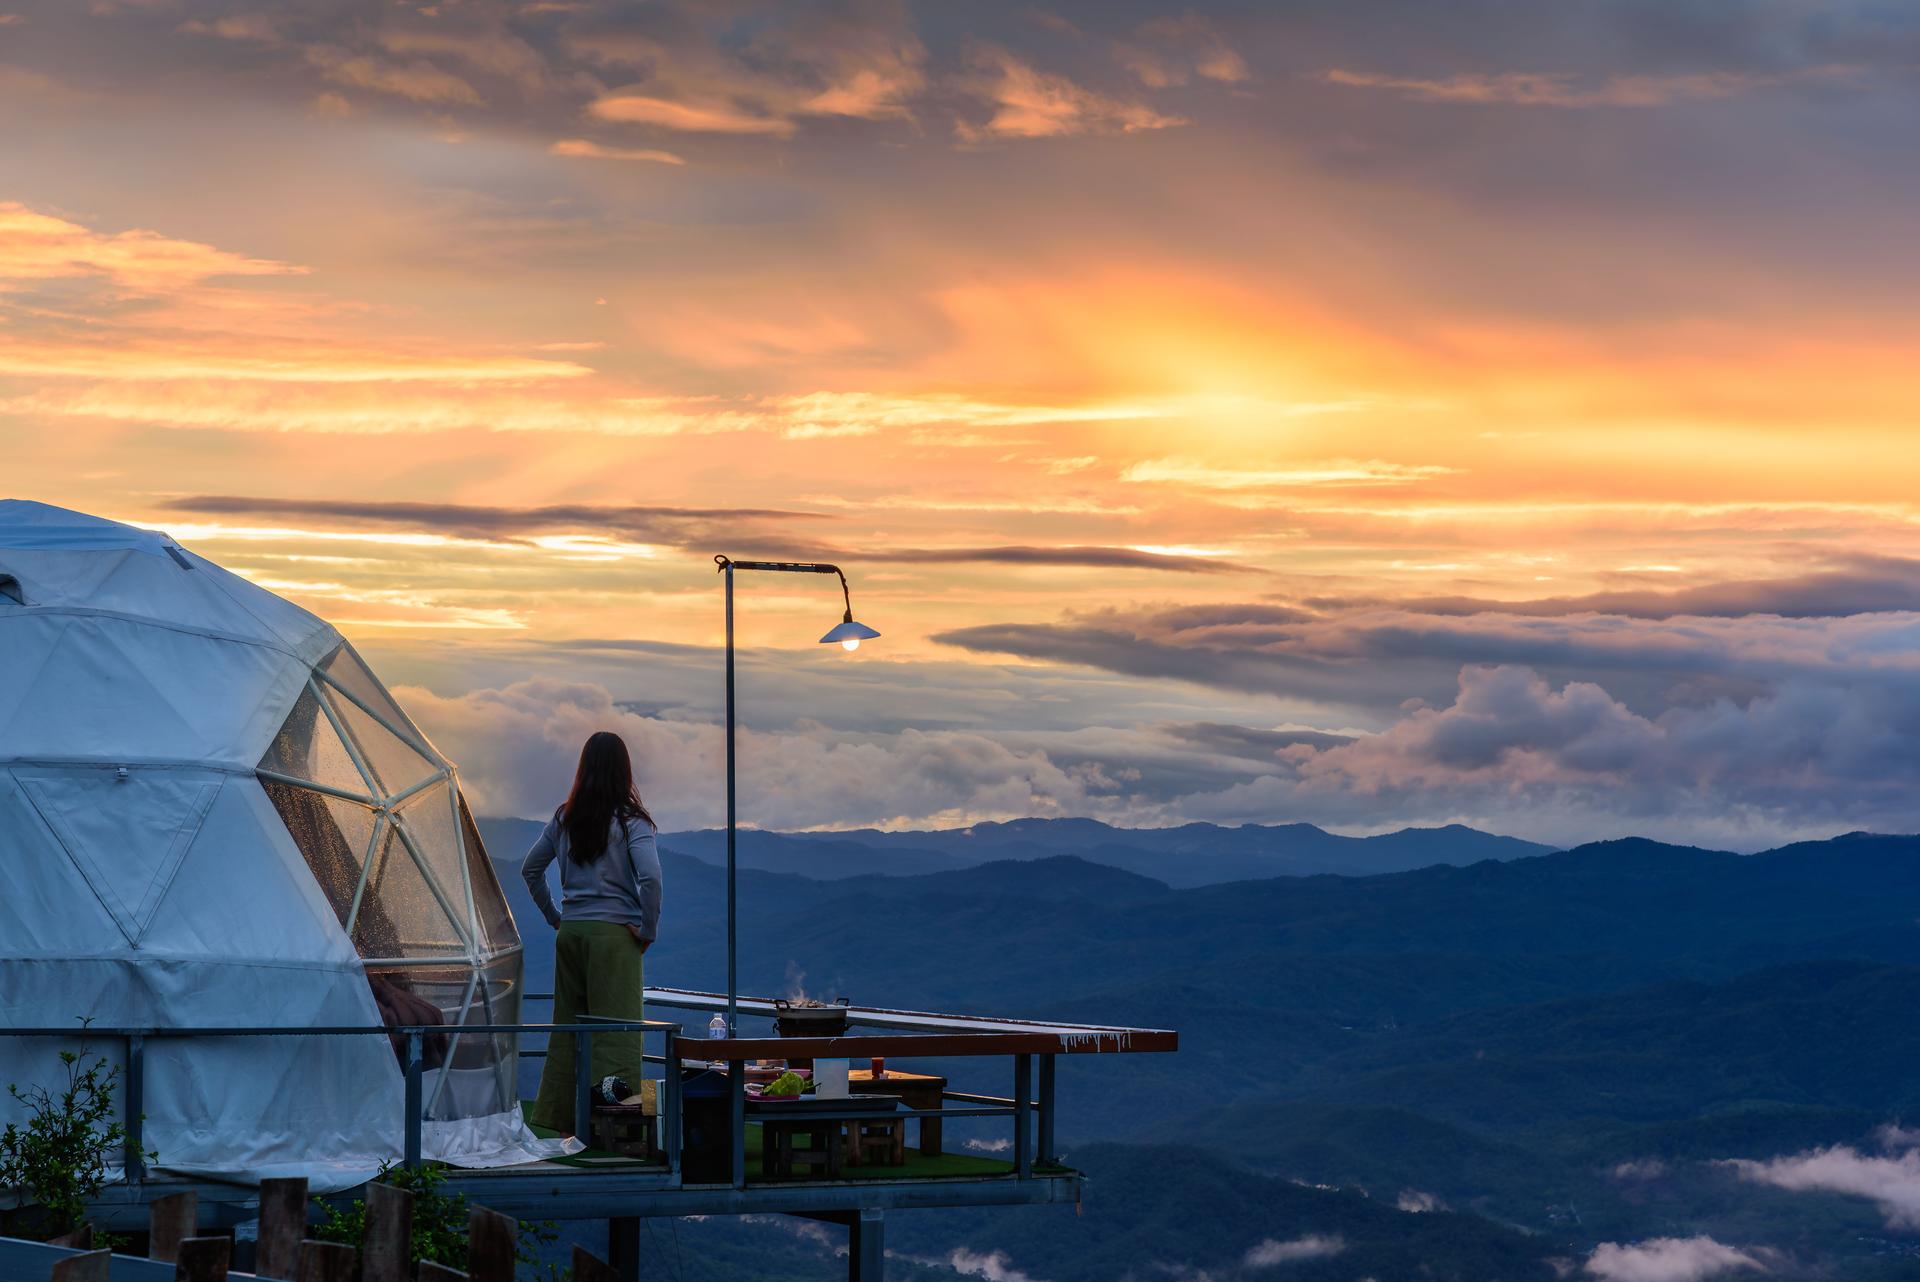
(851,643)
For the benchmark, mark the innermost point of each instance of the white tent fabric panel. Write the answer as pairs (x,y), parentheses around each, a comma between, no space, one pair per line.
(243,1108)
(97,687)
(49,910)
(242,843)
(42,527)
(126,830)
(69,559)
(304,634)
(64,578)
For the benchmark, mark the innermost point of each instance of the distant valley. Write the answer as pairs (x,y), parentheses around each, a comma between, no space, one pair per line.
(1564,1048)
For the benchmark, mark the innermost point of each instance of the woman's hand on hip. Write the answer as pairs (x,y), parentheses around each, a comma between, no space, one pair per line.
(635,932)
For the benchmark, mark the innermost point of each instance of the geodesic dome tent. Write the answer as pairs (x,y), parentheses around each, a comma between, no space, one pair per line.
(212,814)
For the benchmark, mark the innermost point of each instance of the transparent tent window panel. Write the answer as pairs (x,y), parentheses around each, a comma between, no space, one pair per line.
(356,824)
(468,1074)
(429,820)
(308,747)
(348,671)
(409,879)
(401,915)
(421,994)
(396,765)
(332,836)
(489,902)
(500,986)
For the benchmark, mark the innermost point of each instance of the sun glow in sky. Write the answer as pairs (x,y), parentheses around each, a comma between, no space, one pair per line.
(1523,397)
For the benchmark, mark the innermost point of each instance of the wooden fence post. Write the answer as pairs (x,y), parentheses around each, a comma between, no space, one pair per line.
(283,1222)
(172,1220)
(203,1259)
(326,1262)
(91,1267)
(492,1239)
(387,1249)
(588,1267)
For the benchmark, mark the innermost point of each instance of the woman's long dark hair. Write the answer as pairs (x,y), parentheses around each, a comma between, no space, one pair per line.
(602,790)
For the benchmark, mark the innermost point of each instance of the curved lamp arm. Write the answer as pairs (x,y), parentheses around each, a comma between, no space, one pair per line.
(723,563)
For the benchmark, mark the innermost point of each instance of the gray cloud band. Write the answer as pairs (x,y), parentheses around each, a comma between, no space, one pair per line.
(695,529)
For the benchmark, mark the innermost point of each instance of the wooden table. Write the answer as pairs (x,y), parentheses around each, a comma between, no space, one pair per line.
(919,1090)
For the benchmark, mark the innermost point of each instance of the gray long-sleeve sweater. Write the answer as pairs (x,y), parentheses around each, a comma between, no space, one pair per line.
(622,885)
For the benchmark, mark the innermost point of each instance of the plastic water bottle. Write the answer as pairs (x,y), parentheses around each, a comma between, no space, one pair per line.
(717,1026)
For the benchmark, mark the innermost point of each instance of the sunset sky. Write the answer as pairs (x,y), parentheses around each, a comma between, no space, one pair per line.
(1369,414)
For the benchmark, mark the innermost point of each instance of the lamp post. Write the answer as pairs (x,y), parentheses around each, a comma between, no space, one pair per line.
(849,634)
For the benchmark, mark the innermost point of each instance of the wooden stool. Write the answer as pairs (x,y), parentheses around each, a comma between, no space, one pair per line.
(779,1159)
(626,1129)
(876,1141)
(919,1090)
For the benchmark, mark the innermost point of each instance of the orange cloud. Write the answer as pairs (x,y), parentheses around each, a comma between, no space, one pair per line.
(1028,103)
(1554,89)
(1333,473)
(36,246)
(1169,51)
(798,62)
(493,52)
(374,392)
(587,149)
(121,361)
(716,118)
(870,93)
(417,80)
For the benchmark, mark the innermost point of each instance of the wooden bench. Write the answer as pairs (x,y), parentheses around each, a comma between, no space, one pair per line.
(627,1129)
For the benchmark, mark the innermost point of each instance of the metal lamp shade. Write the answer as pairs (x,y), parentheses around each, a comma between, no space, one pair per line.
(849,631)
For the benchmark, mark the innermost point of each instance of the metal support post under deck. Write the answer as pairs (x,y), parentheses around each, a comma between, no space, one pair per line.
(1047,1155)
(1023,1116)
(867,1245)
(416,1065)
(135,1125)
(623,1246)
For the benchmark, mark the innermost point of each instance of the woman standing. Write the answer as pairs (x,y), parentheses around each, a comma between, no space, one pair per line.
(609,911)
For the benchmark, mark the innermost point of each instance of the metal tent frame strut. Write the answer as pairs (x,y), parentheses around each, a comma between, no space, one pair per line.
(847,632)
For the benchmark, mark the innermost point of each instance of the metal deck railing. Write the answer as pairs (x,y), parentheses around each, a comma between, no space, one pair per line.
(133,1041)
(909,1035)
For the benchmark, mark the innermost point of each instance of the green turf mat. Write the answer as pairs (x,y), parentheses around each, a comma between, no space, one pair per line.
(918,1166)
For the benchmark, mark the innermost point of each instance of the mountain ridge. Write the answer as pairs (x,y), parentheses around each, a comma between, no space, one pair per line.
(1183,855)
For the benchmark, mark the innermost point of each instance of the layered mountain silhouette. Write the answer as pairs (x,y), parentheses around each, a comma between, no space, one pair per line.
(1499,1037)
(1190,855)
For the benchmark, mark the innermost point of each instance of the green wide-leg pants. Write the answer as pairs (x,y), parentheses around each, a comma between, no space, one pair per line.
(596,971)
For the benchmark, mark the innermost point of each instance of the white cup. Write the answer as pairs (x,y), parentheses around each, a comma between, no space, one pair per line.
(830,1079)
